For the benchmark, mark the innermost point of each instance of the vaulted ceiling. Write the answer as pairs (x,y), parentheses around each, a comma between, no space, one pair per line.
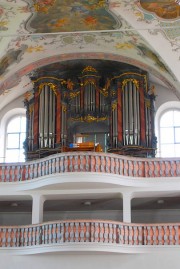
(38,33)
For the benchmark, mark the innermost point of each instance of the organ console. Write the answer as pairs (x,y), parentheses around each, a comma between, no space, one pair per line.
(114,114)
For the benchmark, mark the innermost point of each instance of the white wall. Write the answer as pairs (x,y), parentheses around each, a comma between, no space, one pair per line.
(155,216)
(15,218)
(104,215)
(138,216)
(163,95)
(165,260)
(16,103)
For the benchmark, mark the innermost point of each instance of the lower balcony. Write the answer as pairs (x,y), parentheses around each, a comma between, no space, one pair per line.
(86,235)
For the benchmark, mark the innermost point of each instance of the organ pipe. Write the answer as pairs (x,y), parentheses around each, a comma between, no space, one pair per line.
(114,125)
(126,116)
(138,116)
(30,128)
(135,129)
(53,119)
(46,117)
(131,116)
(148,124)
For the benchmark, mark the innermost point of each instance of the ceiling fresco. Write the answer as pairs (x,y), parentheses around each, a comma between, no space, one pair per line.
(37,33)
(167,9)
(69,16)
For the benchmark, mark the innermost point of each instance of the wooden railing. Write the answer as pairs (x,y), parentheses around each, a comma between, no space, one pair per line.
(90,162)
(95,231)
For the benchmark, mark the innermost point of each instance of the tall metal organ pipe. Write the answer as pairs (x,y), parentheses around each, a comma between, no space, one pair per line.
(131,115)
(47,117)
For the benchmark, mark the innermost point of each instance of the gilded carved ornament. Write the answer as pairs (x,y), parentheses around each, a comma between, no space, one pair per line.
(89,119)
(48,77)
(89,69)
(113,93)
(74,94)
(147,103)
(64,108)
(31,109)
(108,83)
(104,92)
(27,95)
(51,85)
(134,81)
(114,106)
(69,84)
(132,73)
(90,81)
(152,91)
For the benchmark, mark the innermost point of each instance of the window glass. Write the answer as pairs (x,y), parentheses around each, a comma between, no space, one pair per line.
(170,134)
(167,150)
(14,125)
(12,155)
(16,134)
(176,118)
(12,140)
(23,124)
(22,138)
(177,134)
(177,150)
(167,119)
(167,135)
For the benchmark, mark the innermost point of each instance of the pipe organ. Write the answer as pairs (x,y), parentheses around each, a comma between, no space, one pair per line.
(91,111)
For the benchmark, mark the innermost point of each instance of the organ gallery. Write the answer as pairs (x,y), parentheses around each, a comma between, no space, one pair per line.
(91,106)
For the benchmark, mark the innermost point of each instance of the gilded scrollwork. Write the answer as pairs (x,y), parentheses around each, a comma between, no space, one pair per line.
(90,81)
(64,108)
(134,74)
(113,93)
(104,92)
(114,105)
(68,83)
(74,94)
(147,103)
(31,108)
(134,81)
(27,96)
(89,69)
(89,119)
(51,85)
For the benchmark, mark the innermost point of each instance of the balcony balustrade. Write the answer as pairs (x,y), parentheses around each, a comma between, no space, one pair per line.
(90,162)
(95,231)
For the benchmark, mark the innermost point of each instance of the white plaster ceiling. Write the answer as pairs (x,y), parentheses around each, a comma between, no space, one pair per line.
(35,33)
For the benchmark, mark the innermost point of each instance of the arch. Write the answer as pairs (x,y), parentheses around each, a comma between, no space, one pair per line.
(8,83)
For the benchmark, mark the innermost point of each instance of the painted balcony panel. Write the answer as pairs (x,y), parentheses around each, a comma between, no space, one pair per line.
(84,231)
(90,162)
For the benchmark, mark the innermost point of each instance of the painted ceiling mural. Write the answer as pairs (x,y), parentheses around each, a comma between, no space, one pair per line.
(167,9)
(70,15)
(34,33)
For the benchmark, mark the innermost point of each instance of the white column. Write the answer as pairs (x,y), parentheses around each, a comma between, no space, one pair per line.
(37,209)
(127,207)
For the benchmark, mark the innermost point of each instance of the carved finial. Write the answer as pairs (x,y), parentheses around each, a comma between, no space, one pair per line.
(89,69)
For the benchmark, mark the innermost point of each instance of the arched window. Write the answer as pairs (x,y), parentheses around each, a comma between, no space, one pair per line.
(169,135)
(15,136)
